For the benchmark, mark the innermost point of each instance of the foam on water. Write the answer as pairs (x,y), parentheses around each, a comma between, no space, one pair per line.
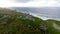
(44,17)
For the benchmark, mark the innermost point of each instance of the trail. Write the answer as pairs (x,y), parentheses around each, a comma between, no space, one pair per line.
(56,26)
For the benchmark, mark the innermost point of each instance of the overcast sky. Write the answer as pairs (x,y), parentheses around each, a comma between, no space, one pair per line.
(29,3)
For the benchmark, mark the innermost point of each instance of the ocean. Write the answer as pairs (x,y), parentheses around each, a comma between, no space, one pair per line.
(42,12)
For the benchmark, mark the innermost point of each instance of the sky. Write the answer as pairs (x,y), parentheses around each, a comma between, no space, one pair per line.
(29,3)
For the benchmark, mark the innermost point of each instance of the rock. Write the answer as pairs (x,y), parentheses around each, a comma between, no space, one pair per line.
(43,27)
(29,25)
(33,19)
(5,16)
(19,17)
(28,17)
(3,23)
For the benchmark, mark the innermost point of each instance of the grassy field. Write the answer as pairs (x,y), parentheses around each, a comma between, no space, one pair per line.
(12,22)
(49,24)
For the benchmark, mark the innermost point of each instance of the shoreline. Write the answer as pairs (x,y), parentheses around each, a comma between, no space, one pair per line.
(44,18)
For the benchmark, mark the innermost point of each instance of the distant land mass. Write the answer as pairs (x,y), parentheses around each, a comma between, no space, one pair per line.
(47,12)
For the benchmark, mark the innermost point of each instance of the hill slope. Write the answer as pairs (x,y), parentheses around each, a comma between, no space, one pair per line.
(12,22)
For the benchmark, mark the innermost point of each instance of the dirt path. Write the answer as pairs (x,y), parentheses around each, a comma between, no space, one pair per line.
(56,26)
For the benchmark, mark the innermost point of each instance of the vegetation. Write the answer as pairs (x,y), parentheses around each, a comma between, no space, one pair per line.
(12,22)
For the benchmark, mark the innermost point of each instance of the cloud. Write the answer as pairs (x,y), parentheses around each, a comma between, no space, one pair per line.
(19,1)
(30,3)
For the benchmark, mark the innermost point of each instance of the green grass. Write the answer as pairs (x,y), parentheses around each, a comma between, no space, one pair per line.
(18,25)
(49,24)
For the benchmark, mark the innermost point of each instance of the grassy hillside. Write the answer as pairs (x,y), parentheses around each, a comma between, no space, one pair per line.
(12,22)
(52,29)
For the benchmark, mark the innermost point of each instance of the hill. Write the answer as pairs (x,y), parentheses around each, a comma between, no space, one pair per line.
(13,22)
